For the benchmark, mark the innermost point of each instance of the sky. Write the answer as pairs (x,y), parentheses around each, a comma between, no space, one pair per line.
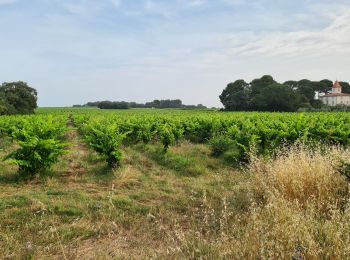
(76,51)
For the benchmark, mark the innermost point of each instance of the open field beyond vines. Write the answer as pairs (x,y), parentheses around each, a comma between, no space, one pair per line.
(174,184)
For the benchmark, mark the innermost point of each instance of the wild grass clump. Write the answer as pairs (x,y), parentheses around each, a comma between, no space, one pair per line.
(298,209)
(304,177)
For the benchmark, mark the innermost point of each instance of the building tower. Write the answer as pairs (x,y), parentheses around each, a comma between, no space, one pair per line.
(336,89)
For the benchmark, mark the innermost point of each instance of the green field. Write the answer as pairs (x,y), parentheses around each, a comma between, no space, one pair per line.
(174,184)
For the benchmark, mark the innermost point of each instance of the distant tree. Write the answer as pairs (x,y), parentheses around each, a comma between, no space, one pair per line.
(306,92)
(18,98)
(92,104)
(291,83)
(320,86)
(136,105)
(345,87)
(235,97)
(167,103)
(201,106)
(317,104)
(3,104)
(275,98)
(156,103)
(113,105)
(326,87)
(265,94)
(305,88)
(305,107)
(258,85)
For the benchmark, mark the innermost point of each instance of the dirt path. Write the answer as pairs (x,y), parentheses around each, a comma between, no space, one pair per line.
(75,162)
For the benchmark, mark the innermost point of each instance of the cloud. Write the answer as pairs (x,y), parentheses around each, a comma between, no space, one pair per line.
(193,3)
(89,7)
(6,2)
(159,8)
(116,3)
(335,38)
(144,49)
(233,2)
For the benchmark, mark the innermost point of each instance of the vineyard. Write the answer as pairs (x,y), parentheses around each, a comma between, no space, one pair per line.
(237,134)
(91,176)
(242,133)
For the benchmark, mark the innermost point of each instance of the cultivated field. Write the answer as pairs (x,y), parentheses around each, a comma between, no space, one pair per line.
(174,184)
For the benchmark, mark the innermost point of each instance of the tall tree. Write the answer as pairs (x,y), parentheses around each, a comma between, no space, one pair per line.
(235,97)
(258,85)
(345,87)
(306,88)
(275,98)
(326,87)
(20,98)
(3,104)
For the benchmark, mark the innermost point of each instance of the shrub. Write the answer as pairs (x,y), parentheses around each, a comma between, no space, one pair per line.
(40,143)
(105,139)
(220,144)
(167,136)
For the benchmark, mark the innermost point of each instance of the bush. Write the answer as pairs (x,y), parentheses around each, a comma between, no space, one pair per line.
(106,139)
(167,136)
(41,143)
(220,144)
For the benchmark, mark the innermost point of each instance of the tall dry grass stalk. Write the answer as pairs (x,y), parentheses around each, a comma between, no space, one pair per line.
(304,177)
(299,209)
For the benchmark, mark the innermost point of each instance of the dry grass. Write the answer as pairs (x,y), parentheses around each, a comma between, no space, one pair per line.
(303,177)
(185,205)
(298,209)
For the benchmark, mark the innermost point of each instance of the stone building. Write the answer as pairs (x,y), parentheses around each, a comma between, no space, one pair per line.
(336,97)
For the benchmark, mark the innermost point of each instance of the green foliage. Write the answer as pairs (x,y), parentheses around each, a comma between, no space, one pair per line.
(235,97)
(106,139)
(17,98)
(220,144)
(305,107)
(276,97)
(235,135)
(265,94)
(167,137)
(3,104)
(345,87)
(113,105)
(258,85)
(40,141)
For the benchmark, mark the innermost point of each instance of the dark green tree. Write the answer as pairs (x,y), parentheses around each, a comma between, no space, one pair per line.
(305,88)
(345,87)
(275,98)
(326,87)
(306,92)
(3,104)
(258,85)
(235,97)
(292,84)
(18,98)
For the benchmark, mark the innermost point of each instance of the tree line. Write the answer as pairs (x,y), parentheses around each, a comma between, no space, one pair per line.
(167,103)
(17,98)
(266,94)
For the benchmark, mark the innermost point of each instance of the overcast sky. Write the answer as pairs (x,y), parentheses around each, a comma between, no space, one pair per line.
(75,51)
